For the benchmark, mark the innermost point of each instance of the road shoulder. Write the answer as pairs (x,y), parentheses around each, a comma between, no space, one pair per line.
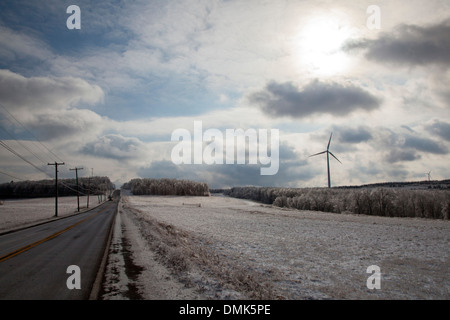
(132,271)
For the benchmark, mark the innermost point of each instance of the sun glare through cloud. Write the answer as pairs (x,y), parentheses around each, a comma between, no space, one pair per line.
(111,89)
(319,43)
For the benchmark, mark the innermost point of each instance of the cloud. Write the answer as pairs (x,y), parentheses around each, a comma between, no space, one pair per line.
(223,176)
(440,128)
(425,145)
(159,66)
(34,93)
(50,106)
(397,155)
(285,99)
(409,45)
(114,146)
(405,147)
(350,135)
(58,124)
(20,46)
(292,171)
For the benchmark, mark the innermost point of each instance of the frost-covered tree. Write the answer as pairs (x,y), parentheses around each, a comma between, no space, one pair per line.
(46,188)
(149,186)
(380,201)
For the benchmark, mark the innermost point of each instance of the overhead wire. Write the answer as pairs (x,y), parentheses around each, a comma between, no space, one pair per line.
(79,192)
(31,133)
(11,176)
(53,156)
(3,144)
(10,116)
(13,151)
(23,145)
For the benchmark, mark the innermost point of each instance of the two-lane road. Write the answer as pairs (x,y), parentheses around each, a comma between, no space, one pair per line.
(34,261)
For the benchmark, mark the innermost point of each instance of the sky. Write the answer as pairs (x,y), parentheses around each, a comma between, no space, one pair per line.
(108,96)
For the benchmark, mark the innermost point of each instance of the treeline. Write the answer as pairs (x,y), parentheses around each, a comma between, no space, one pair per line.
(149,186)
(424,184)
(46,188)
(395,202)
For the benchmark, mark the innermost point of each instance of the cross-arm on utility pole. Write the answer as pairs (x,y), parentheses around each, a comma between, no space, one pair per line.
(56,164)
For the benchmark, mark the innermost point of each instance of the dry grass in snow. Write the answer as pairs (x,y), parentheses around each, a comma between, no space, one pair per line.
(228,248)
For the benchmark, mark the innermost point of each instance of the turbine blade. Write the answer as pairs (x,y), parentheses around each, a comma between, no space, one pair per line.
(329,141)
(334,156)
(317,154)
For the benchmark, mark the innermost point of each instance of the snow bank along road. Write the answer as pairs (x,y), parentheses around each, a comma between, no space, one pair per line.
(34,261)
(225,248)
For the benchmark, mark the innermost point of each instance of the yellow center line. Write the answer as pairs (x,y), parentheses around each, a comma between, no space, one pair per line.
(34,244)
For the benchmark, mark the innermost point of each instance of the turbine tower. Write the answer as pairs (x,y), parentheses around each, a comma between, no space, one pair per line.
(429,176)
(328,152)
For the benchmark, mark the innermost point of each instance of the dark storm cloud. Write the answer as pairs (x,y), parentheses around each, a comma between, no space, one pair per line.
(440,128)
(285,99)
(409,45)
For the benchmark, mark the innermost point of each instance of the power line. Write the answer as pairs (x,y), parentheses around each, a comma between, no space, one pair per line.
(60,182)
(4,145)
(23,145)
(70,188)
(9,148)
(26,129)
(8,117)
(11,176)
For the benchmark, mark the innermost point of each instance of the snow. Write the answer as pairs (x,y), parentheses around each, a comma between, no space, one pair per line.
(19,213)
(167,247)
(128,253)
(226,248)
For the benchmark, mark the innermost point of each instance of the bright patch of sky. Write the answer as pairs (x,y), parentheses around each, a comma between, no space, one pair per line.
(110,94)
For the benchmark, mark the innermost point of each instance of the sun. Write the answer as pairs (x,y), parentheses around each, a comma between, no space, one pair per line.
(318,45)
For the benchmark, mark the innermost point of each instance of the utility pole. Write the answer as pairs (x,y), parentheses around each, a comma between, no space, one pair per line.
(56,164)
(78,192)
(89,185)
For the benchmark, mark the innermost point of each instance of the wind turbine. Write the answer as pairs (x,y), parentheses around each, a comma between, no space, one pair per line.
(429,176)
(328,152)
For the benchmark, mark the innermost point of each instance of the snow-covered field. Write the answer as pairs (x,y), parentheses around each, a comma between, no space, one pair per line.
(22,212)
(226,248)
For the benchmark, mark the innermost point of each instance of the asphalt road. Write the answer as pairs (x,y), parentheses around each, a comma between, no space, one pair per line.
(34,261)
